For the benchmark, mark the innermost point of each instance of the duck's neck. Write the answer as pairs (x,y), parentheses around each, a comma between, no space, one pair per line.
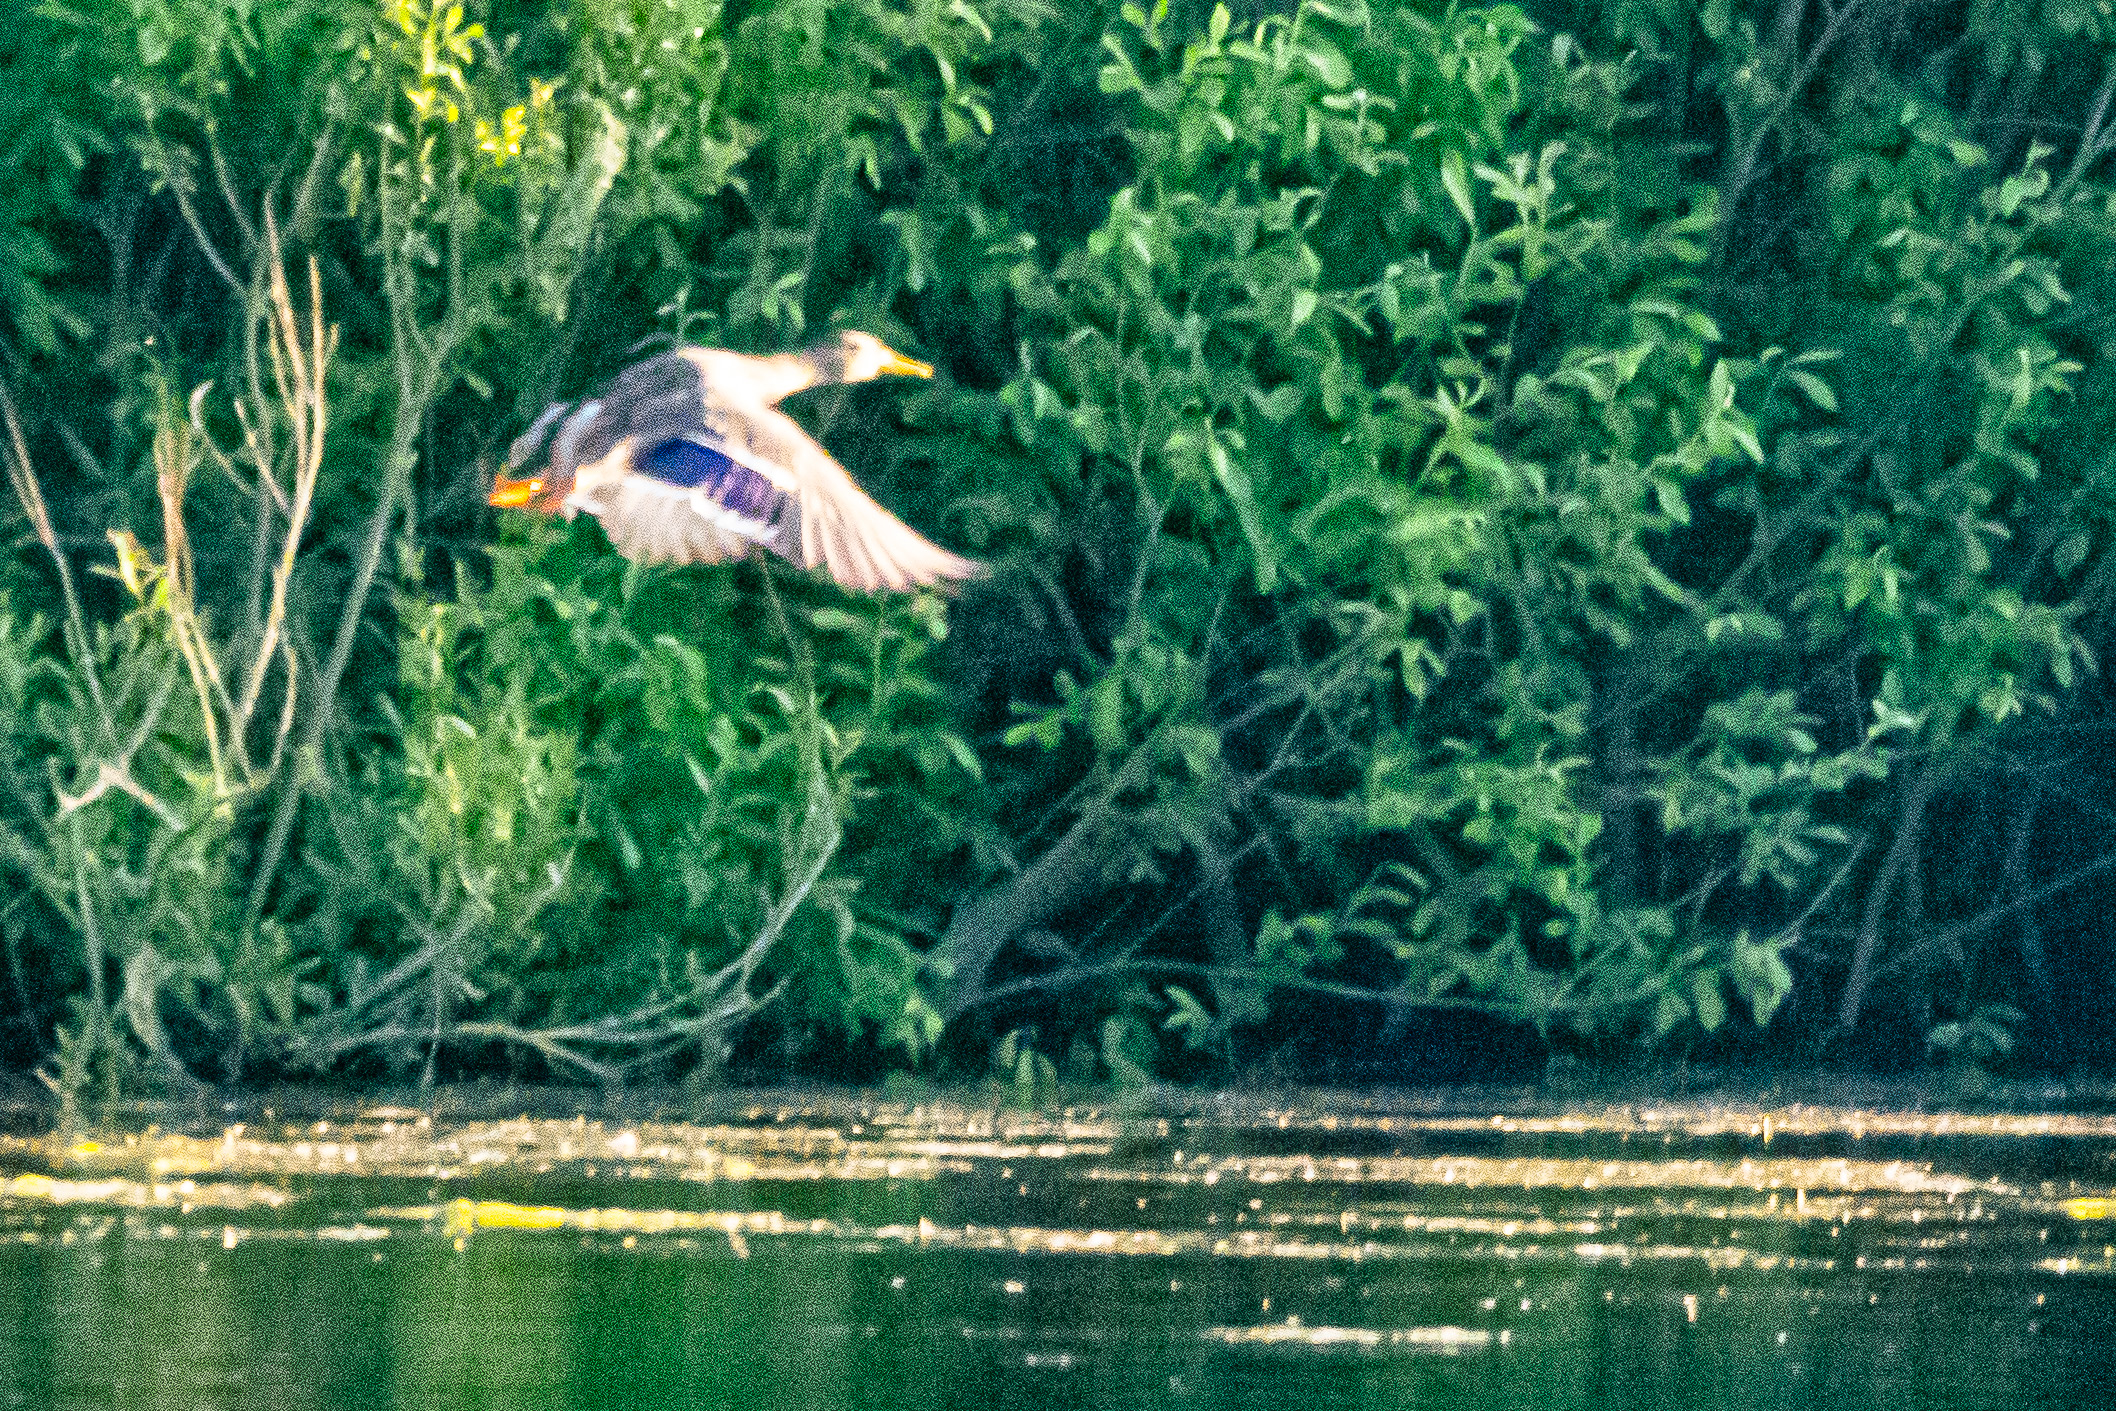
(784,374)
(825,363)
(764,380)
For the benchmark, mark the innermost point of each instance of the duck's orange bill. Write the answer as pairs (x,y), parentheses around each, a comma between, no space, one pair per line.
(906,367)
(513,494)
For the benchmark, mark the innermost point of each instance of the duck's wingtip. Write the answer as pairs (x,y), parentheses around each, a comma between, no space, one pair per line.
(957,570)
(944,578)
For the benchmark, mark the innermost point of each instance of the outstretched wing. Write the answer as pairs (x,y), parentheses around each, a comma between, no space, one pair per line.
(841,527)
(722,488)
(652,521)
(685,501)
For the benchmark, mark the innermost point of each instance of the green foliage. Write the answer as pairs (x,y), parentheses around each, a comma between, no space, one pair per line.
(1983,1037)
(1460,543)
(616,817)
(1028,1075)
(1409,538)
(132,850)
(47,135)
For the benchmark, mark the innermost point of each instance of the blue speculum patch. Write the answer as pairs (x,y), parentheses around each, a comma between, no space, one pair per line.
(698,467)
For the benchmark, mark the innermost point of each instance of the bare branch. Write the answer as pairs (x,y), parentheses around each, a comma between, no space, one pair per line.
(1902,854)
(2094,144)
(22,474)
(116,776)
(179,189)
(1741,171)
(302,392)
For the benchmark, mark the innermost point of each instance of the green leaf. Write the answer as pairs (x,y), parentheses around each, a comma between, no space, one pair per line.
(1818,391)
(1188,1018)
(2071,551)
(1454,178)
(1668,1012)
(1710,1004)
(1234,481)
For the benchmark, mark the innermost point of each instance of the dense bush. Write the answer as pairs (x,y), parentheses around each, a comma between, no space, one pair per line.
(1587,519)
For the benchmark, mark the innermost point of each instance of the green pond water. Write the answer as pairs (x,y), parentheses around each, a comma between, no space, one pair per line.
(1294,1251)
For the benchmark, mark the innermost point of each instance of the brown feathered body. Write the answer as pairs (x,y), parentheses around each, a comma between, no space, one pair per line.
(685,458)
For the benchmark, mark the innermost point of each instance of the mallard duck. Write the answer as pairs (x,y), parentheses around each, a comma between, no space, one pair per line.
(685,458)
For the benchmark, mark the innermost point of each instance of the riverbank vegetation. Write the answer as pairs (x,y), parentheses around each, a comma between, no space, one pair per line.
(1589,522)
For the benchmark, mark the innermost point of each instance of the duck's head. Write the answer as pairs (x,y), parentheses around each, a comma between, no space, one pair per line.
(862,357)
(542,485)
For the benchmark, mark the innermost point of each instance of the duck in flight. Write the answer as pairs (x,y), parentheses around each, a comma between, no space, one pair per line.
(685,458)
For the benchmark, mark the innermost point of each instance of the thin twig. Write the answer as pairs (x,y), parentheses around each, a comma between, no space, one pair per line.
(226,181)
(1742,172)
(91,928)
(22,474)
(111,776)
(302,390)
(173,459)
(2093,142)
(178,187)
(419,368)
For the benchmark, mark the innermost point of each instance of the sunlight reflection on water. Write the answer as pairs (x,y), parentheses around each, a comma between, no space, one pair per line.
(1210,1252)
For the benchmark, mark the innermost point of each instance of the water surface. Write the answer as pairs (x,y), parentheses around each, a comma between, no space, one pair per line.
(827,1250)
